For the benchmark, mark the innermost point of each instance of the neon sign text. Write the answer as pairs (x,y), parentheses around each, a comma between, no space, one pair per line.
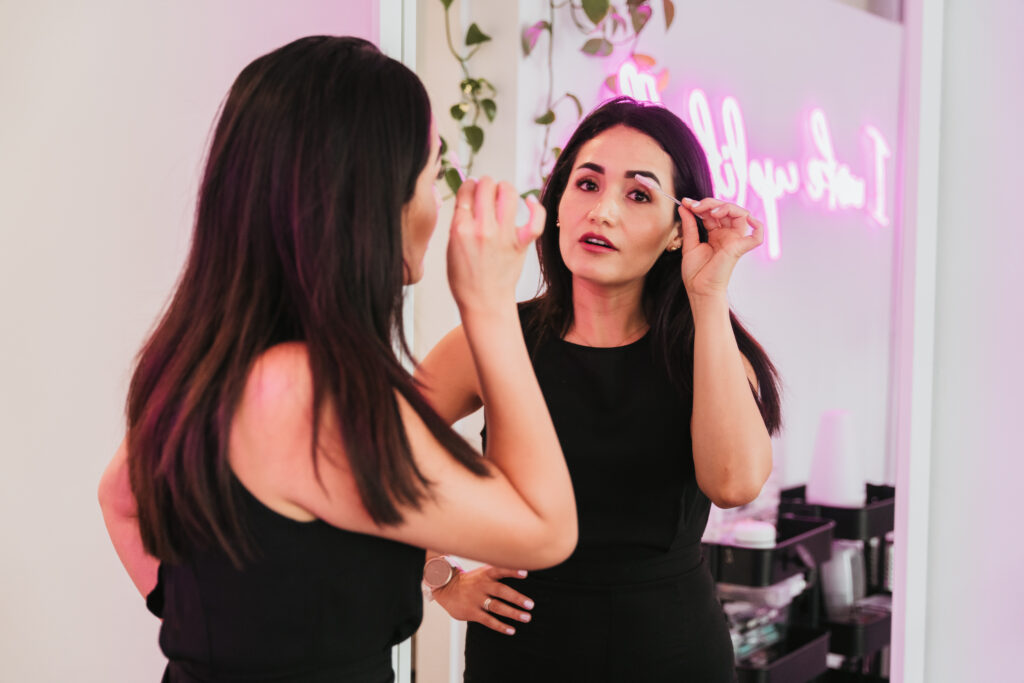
(825,178)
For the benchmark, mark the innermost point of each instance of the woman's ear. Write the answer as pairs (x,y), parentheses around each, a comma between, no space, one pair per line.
(677,237)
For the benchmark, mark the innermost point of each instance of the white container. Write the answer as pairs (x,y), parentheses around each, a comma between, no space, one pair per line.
(837,473)
(842,578)
(751,533)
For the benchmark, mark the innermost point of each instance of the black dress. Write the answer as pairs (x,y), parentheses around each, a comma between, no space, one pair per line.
(635,602)
(318,604)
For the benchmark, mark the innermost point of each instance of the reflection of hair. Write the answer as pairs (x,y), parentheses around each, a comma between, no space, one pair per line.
(664,298)
(297,238)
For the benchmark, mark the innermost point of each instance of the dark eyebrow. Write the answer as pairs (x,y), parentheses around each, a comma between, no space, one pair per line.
(633,174)
(628,174)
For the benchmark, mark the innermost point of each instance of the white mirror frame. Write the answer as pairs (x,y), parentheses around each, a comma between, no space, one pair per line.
(914,324)
(396,23)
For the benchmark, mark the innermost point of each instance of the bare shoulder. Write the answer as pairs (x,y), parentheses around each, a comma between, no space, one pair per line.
(271,430)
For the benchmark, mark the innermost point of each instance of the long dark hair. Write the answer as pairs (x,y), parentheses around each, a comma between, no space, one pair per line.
(664,302)
(297,238)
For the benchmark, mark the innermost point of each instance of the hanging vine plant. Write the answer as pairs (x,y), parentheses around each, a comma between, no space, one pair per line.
(605,27)
(477,98)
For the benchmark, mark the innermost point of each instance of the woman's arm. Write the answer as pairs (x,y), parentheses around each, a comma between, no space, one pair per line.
(447,377)
(119,514)
(732,451)
(524,514)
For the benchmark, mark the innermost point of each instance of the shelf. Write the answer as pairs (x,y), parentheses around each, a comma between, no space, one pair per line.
(864,633)
(799,658)
(873,520)
(801,544)
(833,676)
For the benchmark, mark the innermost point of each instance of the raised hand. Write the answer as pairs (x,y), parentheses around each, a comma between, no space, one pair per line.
(707,266)
(478,596)
(486,249)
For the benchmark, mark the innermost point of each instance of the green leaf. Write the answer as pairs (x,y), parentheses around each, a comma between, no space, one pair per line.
(535,192)
(531,34)
(446,3)
(633,4)
(579,105)
(557,151)
(490,108)
(474,136)
(469,85)
(612,83)
(547,119)
(483,83)
(640,15)
(670,12)
(458,111)
(474,36)
(454,180)
(599,47)
(596,10)
(444,146)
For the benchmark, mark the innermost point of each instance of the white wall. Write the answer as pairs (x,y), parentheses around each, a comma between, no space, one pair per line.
(975,590)
(105,109)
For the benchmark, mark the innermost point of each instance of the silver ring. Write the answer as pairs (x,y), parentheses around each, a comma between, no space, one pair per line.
(467,207)
(487,605)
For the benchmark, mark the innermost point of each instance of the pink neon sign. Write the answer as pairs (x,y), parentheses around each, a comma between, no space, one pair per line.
(824,180)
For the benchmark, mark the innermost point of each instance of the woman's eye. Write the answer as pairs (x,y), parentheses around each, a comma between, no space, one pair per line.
(639,196)
(587,185)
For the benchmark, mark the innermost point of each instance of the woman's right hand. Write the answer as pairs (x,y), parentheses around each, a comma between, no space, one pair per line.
(466,594)
(486,249)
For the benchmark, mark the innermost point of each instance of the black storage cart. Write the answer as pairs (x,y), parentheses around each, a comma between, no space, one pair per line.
(802,543)
(862,638)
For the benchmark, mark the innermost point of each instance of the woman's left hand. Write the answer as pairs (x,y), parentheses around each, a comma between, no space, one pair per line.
(707,266)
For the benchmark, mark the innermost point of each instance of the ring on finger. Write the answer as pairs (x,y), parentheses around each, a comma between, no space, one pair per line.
(467,207)
(487,604)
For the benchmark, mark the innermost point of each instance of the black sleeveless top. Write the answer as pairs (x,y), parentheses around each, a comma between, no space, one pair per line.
(317,604)
(624,428)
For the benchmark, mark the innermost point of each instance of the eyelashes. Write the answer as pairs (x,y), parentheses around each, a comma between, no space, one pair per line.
(639,196)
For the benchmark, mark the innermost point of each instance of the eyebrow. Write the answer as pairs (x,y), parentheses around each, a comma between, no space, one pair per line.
(597,168)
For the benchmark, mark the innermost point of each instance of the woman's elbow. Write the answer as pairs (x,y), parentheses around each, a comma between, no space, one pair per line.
(554,548)
(736,489)
(735,495)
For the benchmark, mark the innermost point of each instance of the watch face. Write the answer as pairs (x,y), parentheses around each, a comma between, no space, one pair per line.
(437,572)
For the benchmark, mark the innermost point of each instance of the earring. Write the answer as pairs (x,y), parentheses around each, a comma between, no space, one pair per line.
(675,248)
(558,224)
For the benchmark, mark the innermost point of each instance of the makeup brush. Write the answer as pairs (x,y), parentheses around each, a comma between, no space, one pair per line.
(651,183)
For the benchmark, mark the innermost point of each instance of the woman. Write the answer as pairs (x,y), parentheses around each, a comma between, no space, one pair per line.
(280,463)
(663,404)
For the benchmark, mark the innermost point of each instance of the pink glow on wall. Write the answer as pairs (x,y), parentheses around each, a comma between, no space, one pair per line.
(881,154)
(826,176)
(639,85)
(825,179)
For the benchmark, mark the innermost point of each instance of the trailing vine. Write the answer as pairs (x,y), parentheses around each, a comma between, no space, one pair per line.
(601,23)
(477,98)
(605,27)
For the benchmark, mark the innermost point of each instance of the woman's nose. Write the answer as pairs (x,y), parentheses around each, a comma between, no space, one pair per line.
(605,210)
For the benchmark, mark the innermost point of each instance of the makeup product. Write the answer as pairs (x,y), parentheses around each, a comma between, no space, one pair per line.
(751,533)
(651,183)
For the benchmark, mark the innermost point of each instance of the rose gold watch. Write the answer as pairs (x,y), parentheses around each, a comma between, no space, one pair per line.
(438,572)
